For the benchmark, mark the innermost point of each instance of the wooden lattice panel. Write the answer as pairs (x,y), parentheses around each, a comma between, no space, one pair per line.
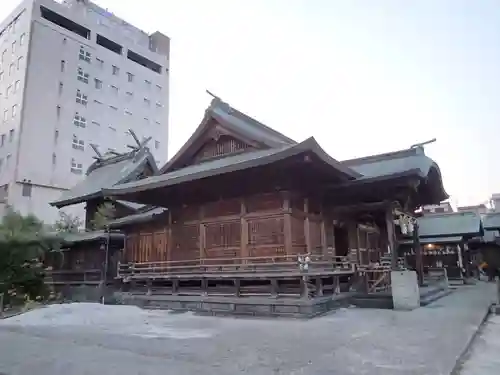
(160,246)
(315,235)
(186,239)
(266,231)
(223,235)
(298,236)
(146,246)
(131,248)
(224,145)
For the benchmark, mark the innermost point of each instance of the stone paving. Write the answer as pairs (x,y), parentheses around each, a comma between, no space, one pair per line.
(426,341)
(484,355)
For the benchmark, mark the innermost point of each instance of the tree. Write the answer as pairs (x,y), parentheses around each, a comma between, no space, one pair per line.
(23,244)
(68,223)
(105,212)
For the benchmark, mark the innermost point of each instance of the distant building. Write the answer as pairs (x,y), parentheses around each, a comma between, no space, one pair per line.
(73,75)
(495,202)
(443,207)
(479,209)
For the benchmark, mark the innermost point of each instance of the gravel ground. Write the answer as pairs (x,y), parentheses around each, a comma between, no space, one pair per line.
(484,358)
(82,339)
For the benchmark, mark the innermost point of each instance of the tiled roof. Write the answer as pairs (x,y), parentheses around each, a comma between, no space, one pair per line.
(429,240)
(228,164)
(413,159)
(450,224)
(137,218)
(491,220)
(105,174)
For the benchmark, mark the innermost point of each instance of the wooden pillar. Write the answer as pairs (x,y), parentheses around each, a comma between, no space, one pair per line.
(324,245)
(287,208)
(201,235)
(391,237)
(170,241)
(419,262)
(353,239)
(244,231)
(307,226)
(358,247)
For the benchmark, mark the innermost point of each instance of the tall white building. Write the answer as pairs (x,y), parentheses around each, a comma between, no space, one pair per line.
(72,74)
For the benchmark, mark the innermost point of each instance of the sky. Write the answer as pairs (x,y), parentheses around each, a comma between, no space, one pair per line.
(361,76)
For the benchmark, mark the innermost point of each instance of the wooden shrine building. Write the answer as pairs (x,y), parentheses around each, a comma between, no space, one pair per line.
(244,211)
(445,242)
(108,170)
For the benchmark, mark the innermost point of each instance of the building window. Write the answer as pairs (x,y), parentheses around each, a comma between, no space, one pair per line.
(56,136)
(7,160)
(158,87)
(129,95)
(61,86)
(146,120)
(84,55)
(158,122)
(78,144)
(114,89)
(97,101)
(112,128)
(63,65)
(21,39)
(98,83)
(27,187)
(1,76)
(4,53)
(19,62)
(76,168)
(8,91)
(14,110)
(82,76)
(54,158)
(58,111)
(96,123)
(157,145)
(11,135)
(115,70)
(130,77)
(159,105)
(127,112)
(113,108)
(2,142)
(148,83)
(17,86)
(12,68)
(81,98)
(14,47)
(147,102)
(79,121)
(100,62)
(5,115)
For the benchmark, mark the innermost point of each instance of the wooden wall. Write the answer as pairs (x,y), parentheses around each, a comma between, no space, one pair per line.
(280,223)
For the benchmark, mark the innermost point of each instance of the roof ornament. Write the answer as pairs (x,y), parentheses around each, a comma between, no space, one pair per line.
(422,144)
(98,156)
(218,103)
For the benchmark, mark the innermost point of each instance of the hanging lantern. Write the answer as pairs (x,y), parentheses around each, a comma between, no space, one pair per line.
(410,227)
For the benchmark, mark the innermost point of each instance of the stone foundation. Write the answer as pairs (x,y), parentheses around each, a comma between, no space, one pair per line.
(250,306)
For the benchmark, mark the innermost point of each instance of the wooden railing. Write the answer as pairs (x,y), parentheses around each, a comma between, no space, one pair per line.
(375,278)
(270,264)
(73,276)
